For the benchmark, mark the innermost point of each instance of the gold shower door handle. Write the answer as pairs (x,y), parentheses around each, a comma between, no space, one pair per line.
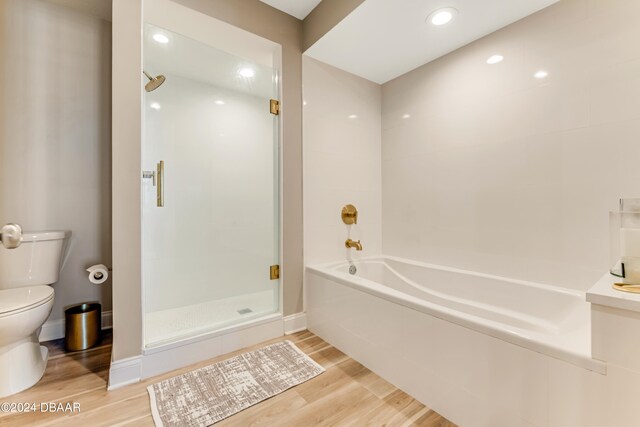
(160,186)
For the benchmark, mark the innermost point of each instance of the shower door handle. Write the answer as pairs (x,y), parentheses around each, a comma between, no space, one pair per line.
(160,184)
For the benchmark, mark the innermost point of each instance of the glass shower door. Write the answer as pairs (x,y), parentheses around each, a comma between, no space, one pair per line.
(210,189)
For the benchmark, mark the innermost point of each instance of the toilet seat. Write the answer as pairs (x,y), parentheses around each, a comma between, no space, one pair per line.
(16,300)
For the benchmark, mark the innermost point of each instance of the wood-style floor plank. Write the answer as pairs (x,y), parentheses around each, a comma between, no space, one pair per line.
(347,394)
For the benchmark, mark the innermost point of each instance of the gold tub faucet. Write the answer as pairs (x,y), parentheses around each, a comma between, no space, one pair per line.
(353,244)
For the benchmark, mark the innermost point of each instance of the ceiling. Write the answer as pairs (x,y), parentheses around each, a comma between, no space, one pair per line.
(298,8)
(383,39)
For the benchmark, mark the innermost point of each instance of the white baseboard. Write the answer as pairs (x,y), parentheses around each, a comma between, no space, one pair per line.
(107,320)
(295,323)
(158,360)
(124,372)
(54,329)
(172,356)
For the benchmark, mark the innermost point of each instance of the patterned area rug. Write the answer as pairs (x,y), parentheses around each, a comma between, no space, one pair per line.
(207,395)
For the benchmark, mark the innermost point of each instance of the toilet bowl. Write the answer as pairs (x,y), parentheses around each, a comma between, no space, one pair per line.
(26,301)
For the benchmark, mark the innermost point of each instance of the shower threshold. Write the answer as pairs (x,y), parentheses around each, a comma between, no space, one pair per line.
(166,326)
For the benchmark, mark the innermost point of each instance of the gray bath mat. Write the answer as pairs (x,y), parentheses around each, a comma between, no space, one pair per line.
(207,395)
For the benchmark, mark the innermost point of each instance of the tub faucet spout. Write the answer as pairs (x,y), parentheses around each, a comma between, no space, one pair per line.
(353,244)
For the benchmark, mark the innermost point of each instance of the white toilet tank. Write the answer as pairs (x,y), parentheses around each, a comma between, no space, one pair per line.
(35,262)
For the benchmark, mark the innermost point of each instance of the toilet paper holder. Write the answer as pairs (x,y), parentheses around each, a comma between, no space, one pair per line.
(98,273)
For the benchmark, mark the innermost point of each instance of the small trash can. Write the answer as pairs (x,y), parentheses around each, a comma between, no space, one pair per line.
(83,323)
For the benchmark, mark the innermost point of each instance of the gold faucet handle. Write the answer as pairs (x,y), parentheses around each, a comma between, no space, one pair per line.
(349,215)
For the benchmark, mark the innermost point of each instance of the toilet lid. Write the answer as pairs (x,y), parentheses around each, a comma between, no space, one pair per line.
(17,299)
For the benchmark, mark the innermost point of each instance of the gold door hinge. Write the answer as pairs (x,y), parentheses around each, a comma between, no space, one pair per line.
(274,107)
(274,272)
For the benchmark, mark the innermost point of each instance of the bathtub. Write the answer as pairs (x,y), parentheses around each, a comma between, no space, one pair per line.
(479,349)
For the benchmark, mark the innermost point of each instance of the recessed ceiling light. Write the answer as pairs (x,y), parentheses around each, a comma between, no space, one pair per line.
(155,105)
(247,72)
(406,116)
(540,74)
(161,38)
(304,102)
(442,16)
(495,59)
(220,102)
(353,116)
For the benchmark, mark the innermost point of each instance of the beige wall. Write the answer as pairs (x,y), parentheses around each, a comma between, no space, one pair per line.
(341,162)
(127,161)
(498,172)
(326,15)
(55,144)
(263,20)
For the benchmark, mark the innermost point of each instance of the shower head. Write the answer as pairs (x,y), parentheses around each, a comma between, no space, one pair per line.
(154,82)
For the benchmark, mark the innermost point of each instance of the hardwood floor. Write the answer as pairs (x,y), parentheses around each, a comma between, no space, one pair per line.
(347,394)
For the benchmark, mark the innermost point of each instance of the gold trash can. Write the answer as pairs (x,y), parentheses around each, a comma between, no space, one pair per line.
(83,323)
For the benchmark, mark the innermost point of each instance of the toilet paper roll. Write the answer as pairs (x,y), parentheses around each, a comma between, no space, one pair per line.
(98,274)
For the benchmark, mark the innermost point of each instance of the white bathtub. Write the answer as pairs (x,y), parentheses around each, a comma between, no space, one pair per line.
(477,348)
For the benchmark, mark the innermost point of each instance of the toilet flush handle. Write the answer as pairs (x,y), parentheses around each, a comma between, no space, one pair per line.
(11,236)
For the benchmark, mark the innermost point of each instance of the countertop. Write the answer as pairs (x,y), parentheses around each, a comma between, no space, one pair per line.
(602,293)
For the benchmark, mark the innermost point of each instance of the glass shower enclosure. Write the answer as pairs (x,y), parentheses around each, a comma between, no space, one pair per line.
(210,185)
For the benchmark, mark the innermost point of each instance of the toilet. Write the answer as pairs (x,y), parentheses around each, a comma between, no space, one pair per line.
(26,300)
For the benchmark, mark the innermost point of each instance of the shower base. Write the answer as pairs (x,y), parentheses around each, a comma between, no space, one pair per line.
(165,326)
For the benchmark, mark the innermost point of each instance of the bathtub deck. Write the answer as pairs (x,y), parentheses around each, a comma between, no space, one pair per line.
(346,394)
